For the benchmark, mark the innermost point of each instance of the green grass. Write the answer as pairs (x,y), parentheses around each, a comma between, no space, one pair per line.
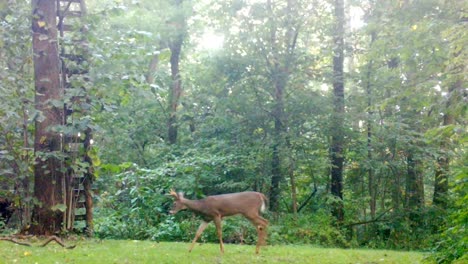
(118,251)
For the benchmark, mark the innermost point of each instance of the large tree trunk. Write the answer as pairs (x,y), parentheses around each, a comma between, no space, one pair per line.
(47,217)
(337,131)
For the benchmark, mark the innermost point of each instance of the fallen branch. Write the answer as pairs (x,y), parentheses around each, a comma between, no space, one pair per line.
(58,240)
(375,220)
(15,241)
(308,199)
(50,239)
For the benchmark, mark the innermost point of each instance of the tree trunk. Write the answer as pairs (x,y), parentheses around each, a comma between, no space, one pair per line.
(176,90)
(337,131)
(414,199)
(47,217)
(175,93)
(441,182)
(152,68)
(372,187)
(278,113)
(292,180)
(87,186)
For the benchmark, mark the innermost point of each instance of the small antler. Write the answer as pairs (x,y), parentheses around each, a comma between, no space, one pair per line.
(173,193)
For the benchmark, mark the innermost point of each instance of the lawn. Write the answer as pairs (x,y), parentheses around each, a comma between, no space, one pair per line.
(119,251)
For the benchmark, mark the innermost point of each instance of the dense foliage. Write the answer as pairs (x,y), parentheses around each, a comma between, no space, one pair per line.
(256,100)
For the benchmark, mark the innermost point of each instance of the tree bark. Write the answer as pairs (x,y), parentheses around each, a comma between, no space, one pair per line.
(48,174)
(337,131)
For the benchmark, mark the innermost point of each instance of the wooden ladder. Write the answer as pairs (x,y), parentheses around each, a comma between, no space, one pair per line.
(77,141)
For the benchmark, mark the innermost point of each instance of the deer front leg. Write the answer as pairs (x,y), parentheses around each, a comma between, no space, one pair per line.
(200,230)
(219,229)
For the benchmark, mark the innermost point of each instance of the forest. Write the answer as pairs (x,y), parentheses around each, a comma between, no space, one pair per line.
(348,115)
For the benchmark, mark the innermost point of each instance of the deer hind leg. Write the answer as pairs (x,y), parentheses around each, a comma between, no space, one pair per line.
(219,230)
(200,230)
(260,224)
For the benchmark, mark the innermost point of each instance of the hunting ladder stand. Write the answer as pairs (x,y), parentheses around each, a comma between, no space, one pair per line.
(77,137)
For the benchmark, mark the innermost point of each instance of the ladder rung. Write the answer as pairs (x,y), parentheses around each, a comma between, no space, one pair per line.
(67,27)
(74,139)
(61,13)
(80,205)
(80,217)
(73,57)
(77,71)
(79,191)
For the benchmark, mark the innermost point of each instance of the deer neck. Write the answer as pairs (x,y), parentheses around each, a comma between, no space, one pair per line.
(195,205)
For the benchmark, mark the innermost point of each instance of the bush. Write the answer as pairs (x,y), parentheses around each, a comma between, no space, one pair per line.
(134,202)
(315,228)
(453,243)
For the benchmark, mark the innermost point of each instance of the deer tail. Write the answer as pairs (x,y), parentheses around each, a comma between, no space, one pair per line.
(264,202)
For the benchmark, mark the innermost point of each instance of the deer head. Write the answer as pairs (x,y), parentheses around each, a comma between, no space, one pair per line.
(178,204)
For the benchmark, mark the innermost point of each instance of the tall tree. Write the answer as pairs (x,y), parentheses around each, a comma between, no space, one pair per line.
(283,30)
(372,186)
(456,71)
(279,79)
(337,122)
(47,217)
(175,45)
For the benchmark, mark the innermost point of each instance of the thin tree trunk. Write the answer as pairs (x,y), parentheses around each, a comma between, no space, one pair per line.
(414,199)
(277,176)
(292,180)
(153,66)
(370,171)
(176,90)
(337,158)
(48,174)
(25,182)
(441,182)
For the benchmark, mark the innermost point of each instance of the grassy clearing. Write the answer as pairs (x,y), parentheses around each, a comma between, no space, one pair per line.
(115,251)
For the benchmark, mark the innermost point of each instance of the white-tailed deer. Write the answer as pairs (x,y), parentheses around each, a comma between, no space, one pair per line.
(214,208)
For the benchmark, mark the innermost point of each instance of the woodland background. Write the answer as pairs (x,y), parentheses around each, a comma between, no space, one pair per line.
(350,116)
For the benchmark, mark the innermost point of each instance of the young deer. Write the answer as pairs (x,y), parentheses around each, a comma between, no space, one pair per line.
(214,208)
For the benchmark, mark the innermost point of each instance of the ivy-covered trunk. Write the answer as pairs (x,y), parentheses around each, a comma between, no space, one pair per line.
(47,217)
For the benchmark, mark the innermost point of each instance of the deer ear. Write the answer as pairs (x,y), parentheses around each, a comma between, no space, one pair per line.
(181,195)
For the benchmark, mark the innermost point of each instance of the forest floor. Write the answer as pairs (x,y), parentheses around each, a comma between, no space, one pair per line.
(121,251)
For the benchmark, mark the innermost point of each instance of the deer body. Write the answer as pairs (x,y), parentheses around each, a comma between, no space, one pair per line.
(214,208)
